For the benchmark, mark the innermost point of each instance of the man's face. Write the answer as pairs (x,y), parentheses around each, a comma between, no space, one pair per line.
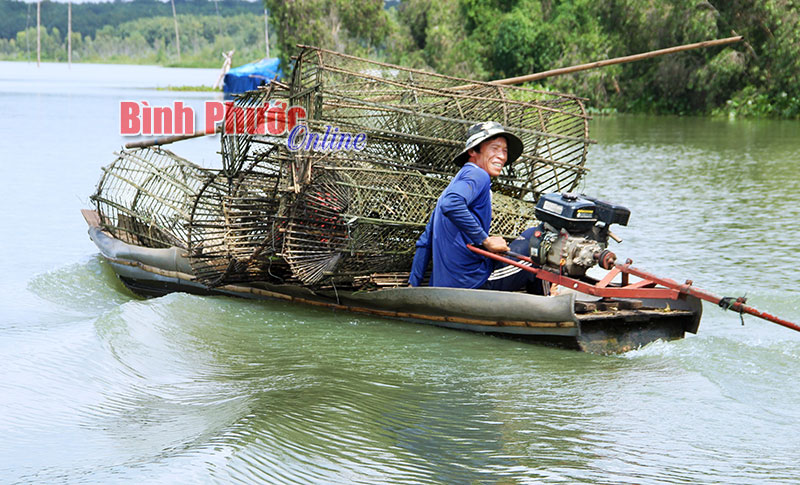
(492,157)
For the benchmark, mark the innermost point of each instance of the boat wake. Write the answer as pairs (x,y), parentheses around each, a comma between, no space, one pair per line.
(184,388)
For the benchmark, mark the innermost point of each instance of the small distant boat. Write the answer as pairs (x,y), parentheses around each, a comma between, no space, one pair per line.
(250,76)
(566,320)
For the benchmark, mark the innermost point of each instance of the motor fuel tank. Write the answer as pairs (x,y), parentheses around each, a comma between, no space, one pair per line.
(567,211)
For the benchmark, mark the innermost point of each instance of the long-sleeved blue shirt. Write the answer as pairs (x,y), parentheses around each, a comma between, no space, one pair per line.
(462,215)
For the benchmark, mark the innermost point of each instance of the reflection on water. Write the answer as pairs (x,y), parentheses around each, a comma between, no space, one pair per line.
(706,196)
(99,386)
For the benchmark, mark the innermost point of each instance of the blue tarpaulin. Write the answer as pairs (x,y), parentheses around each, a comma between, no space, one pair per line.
(250,76)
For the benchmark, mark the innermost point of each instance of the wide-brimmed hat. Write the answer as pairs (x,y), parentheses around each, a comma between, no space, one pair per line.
(480,132)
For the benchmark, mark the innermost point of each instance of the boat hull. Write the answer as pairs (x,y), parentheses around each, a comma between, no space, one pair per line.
(547,319)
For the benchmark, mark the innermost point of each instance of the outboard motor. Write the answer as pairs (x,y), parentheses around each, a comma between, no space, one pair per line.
(574,233)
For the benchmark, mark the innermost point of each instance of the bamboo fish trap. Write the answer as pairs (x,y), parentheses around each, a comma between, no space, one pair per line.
(418,120)
(354,218)
(146,196)
(333,217)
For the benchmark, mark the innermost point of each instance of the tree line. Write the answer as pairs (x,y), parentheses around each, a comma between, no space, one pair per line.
(491,39)
(494,39)
(88,18)
(149,41)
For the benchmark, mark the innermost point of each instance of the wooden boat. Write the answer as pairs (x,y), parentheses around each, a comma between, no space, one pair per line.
(324,218)
(570,319)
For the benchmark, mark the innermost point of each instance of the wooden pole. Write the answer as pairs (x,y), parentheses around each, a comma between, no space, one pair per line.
(170,139)
(616,60)
(219,22)
(38,33)
(226,66)
(69,34)
(266,32)
(28,37)
(177,37)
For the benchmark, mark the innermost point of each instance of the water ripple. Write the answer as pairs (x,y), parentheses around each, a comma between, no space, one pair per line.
(98,386)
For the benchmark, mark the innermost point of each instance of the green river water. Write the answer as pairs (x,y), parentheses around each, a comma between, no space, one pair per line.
(98,386)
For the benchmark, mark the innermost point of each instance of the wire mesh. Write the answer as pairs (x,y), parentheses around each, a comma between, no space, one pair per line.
(418,120)
(338,217)
(354,219)
(145,197)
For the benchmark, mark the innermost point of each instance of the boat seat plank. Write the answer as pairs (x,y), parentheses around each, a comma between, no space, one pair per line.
(91,217)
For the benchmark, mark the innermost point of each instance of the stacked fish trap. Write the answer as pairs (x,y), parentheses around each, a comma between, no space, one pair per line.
(416,120)
(344,218)
(146,197)
(355,218)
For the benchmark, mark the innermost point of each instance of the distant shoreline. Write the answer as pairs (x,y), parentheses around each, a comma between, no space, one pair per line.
(122,62)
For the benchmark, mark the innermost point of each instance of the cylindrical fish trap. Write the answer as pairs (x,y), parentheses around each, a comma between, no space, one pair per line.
(235,235)
(146,196)
(418,120)
(355,219)
(246,140)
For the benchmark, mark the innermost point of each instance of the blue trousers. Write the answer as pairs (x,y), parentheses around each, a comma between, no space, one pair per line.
(507,277)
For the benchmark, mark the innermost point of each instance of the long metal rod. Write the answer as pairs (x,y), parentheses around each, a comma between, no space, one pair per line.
(577,285)
(669,284)
(687,289)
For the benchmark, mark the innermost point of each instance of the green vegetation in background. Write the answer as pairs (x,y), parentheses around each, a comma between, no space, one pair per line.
(489,39)
(201,88)
(357,27)
(493,39)
(89,17)
(150,41)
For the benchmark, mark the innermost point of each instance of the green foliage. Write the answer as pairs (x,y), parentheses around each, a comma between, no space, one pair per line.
(476,39)
(414,15)
(750,102)
(150,41)
(493,39)
(51,45)
(476,14)
(437,38)
(718,78)
(525,43)
(88,17)
(356,26)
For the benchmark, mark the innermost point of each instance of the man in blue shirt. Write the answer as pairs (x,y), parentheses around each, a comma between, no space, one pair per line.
(463,216)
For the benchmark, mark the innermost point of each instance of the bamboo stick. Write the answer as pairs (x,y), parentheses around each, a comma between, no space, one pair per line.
(170,139)
(177,37)
(69,34)
(616,60)
(38,33)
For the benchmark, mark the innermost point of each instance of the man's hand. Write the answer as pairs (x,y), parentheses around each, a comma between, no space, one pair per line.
(495,244)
